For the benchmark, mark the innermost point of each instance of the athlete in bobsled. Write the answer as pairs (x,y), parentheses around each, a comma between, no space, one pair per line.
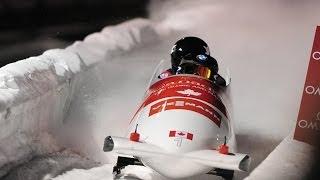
(191,55)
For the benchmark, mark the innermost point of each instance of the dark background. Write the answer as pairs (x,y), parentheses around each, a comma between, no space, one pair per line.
(29,27)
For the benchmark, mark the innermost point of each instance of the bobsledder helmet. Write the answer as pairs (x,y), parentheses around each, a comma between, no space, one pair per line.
(187,46)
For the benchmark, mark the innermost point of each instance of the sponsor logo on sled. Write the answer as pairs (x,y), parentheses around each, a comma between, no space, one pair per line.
(186,104)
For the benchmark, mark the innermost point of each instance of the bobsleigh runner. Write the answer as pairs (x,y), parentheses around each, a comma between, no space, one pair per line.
(181,129)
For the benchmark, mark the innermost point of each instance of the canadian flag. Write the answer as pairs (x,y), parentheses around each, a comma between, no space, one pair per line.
(181,134)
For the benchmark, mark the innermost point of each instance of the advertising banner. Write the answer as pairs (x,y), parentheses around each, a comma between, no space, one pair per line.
(308,123)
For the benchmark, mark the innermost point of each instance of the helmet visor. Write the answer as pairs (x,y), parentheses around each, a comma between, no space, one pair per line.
(191,67)
(204,72)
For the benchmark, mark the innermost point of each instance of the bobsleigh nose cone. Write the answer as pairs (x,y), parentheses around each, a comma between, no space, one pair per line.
(108,144)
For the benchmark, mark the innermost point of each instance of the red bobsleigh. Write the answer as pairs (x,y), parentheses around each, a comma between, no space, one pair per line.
(180,130)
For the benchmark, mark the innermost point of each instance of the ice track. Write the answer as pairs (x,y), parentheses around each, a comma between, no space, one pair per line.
(73,98)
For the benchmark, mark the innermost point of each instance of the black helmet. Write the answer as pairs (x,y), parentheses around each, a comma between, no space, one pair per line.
(187,46)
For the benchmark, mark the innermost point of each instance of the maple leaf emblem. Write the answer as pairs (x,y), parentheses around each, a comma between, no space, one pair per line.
(189,92)
(181,134)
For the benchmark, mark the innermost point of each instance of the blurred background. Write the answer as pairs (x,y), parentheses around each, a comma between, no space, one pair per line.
(30,27)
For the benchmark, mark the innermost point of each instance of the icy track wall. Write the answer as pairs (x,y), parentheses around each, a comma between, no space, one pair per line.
(35,93)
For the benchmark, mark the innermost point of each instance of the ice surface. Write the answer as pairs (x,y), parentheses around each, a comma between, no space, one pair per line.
(33,99)
(97,173)
(290,160)
(36,93)
(105,172)
(50,165)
